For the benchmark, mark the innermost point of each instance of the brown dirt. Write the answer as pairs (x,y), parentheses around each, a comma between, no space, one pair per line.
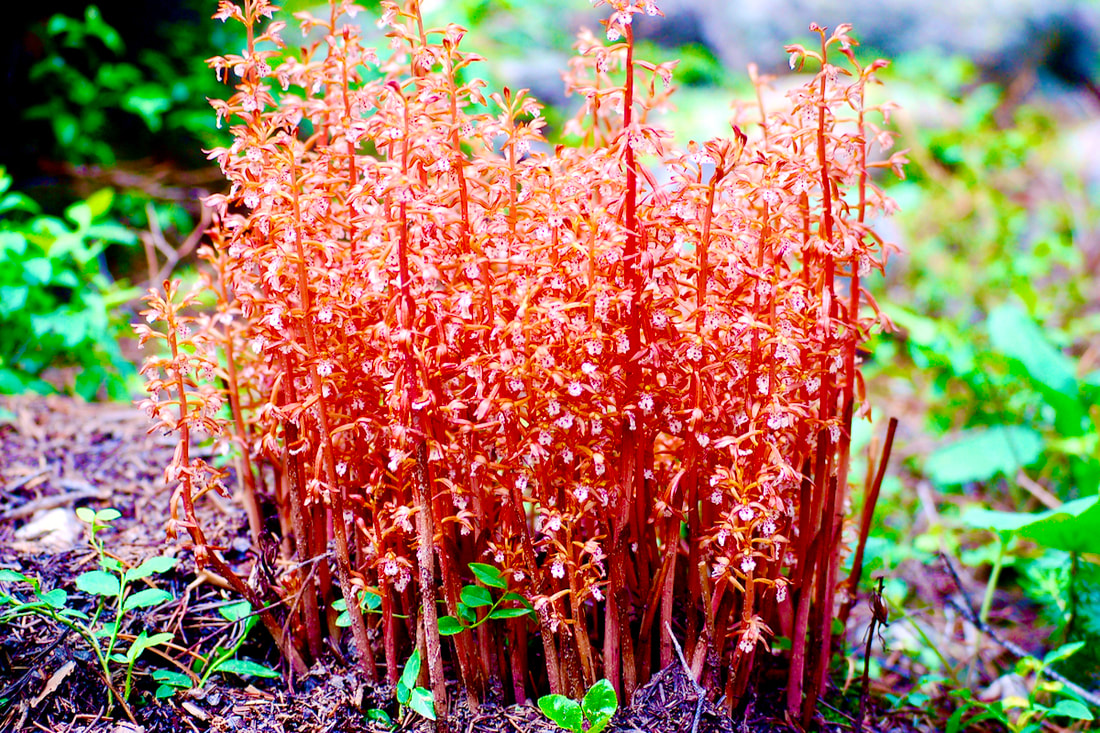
(59,454)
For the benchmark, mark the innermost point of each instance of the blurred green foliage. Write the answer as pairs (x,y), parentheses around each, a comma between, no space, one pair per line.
(994,356)
(103,104)
(58,305)
(103,100)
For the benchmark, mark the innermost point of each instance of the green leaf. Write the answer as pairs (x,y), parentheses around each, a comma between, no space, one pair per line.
(56,598)
(99,28)
(8,575)
(412,670)
(111,232)
(13,242)
(403,693)
(236,611)
(1015,335)
(151,566)
(343,620)
(98,583)
(1063,652)
(380,716)
(176,679)
(79,214)
(148,101)
(246,667)
(85,514)
(488,575)
(37,270)
(165,691)
(99,203)
(145,599)
(467,614)
(500,613)
(982,453)
(13,298)
(599,705)
(475,596)
(1071,709)
(422,703)
(1072,527)
(143,642)
(563,711)
(105,516)
(449,626)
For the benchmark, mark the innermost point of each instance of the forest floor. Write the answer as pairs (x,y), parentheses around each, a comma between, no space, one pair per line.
(57,454)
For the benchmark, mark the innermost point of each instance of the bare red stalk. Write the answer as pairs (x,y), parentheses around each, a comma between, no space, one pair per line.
(870,500)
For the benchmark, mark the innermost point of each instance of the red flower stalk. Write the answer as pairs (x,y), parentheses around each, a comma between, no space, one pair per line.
(633,398)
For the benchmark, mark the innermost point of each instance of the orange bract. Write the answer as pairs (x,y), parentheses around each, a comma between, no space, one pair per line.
(452,345)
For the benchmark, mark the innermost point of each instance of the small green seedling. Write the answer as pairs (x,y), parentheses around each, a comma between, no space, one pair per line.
(598,707)
(112,585)
(473,597)
(221,659)
(1019,714)
(419,699)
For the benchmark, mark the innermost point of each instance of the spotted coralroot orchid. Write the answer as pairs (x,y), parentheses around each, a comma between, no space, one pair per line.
(440,342)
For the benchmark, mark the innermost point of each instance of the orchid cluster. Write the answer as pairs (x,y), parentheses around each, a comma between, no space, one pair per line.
(623,374)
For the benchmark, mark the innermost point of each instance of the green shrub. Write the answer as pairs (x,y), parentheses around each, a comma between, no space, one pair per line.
(58,304)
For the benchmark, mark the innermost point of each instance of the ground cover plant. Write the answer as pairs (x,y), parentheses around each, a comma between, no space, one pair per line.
(440,346)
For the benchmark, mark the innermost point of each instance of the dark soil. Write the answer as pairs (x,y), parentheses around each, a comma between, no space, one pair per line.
(58,454)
